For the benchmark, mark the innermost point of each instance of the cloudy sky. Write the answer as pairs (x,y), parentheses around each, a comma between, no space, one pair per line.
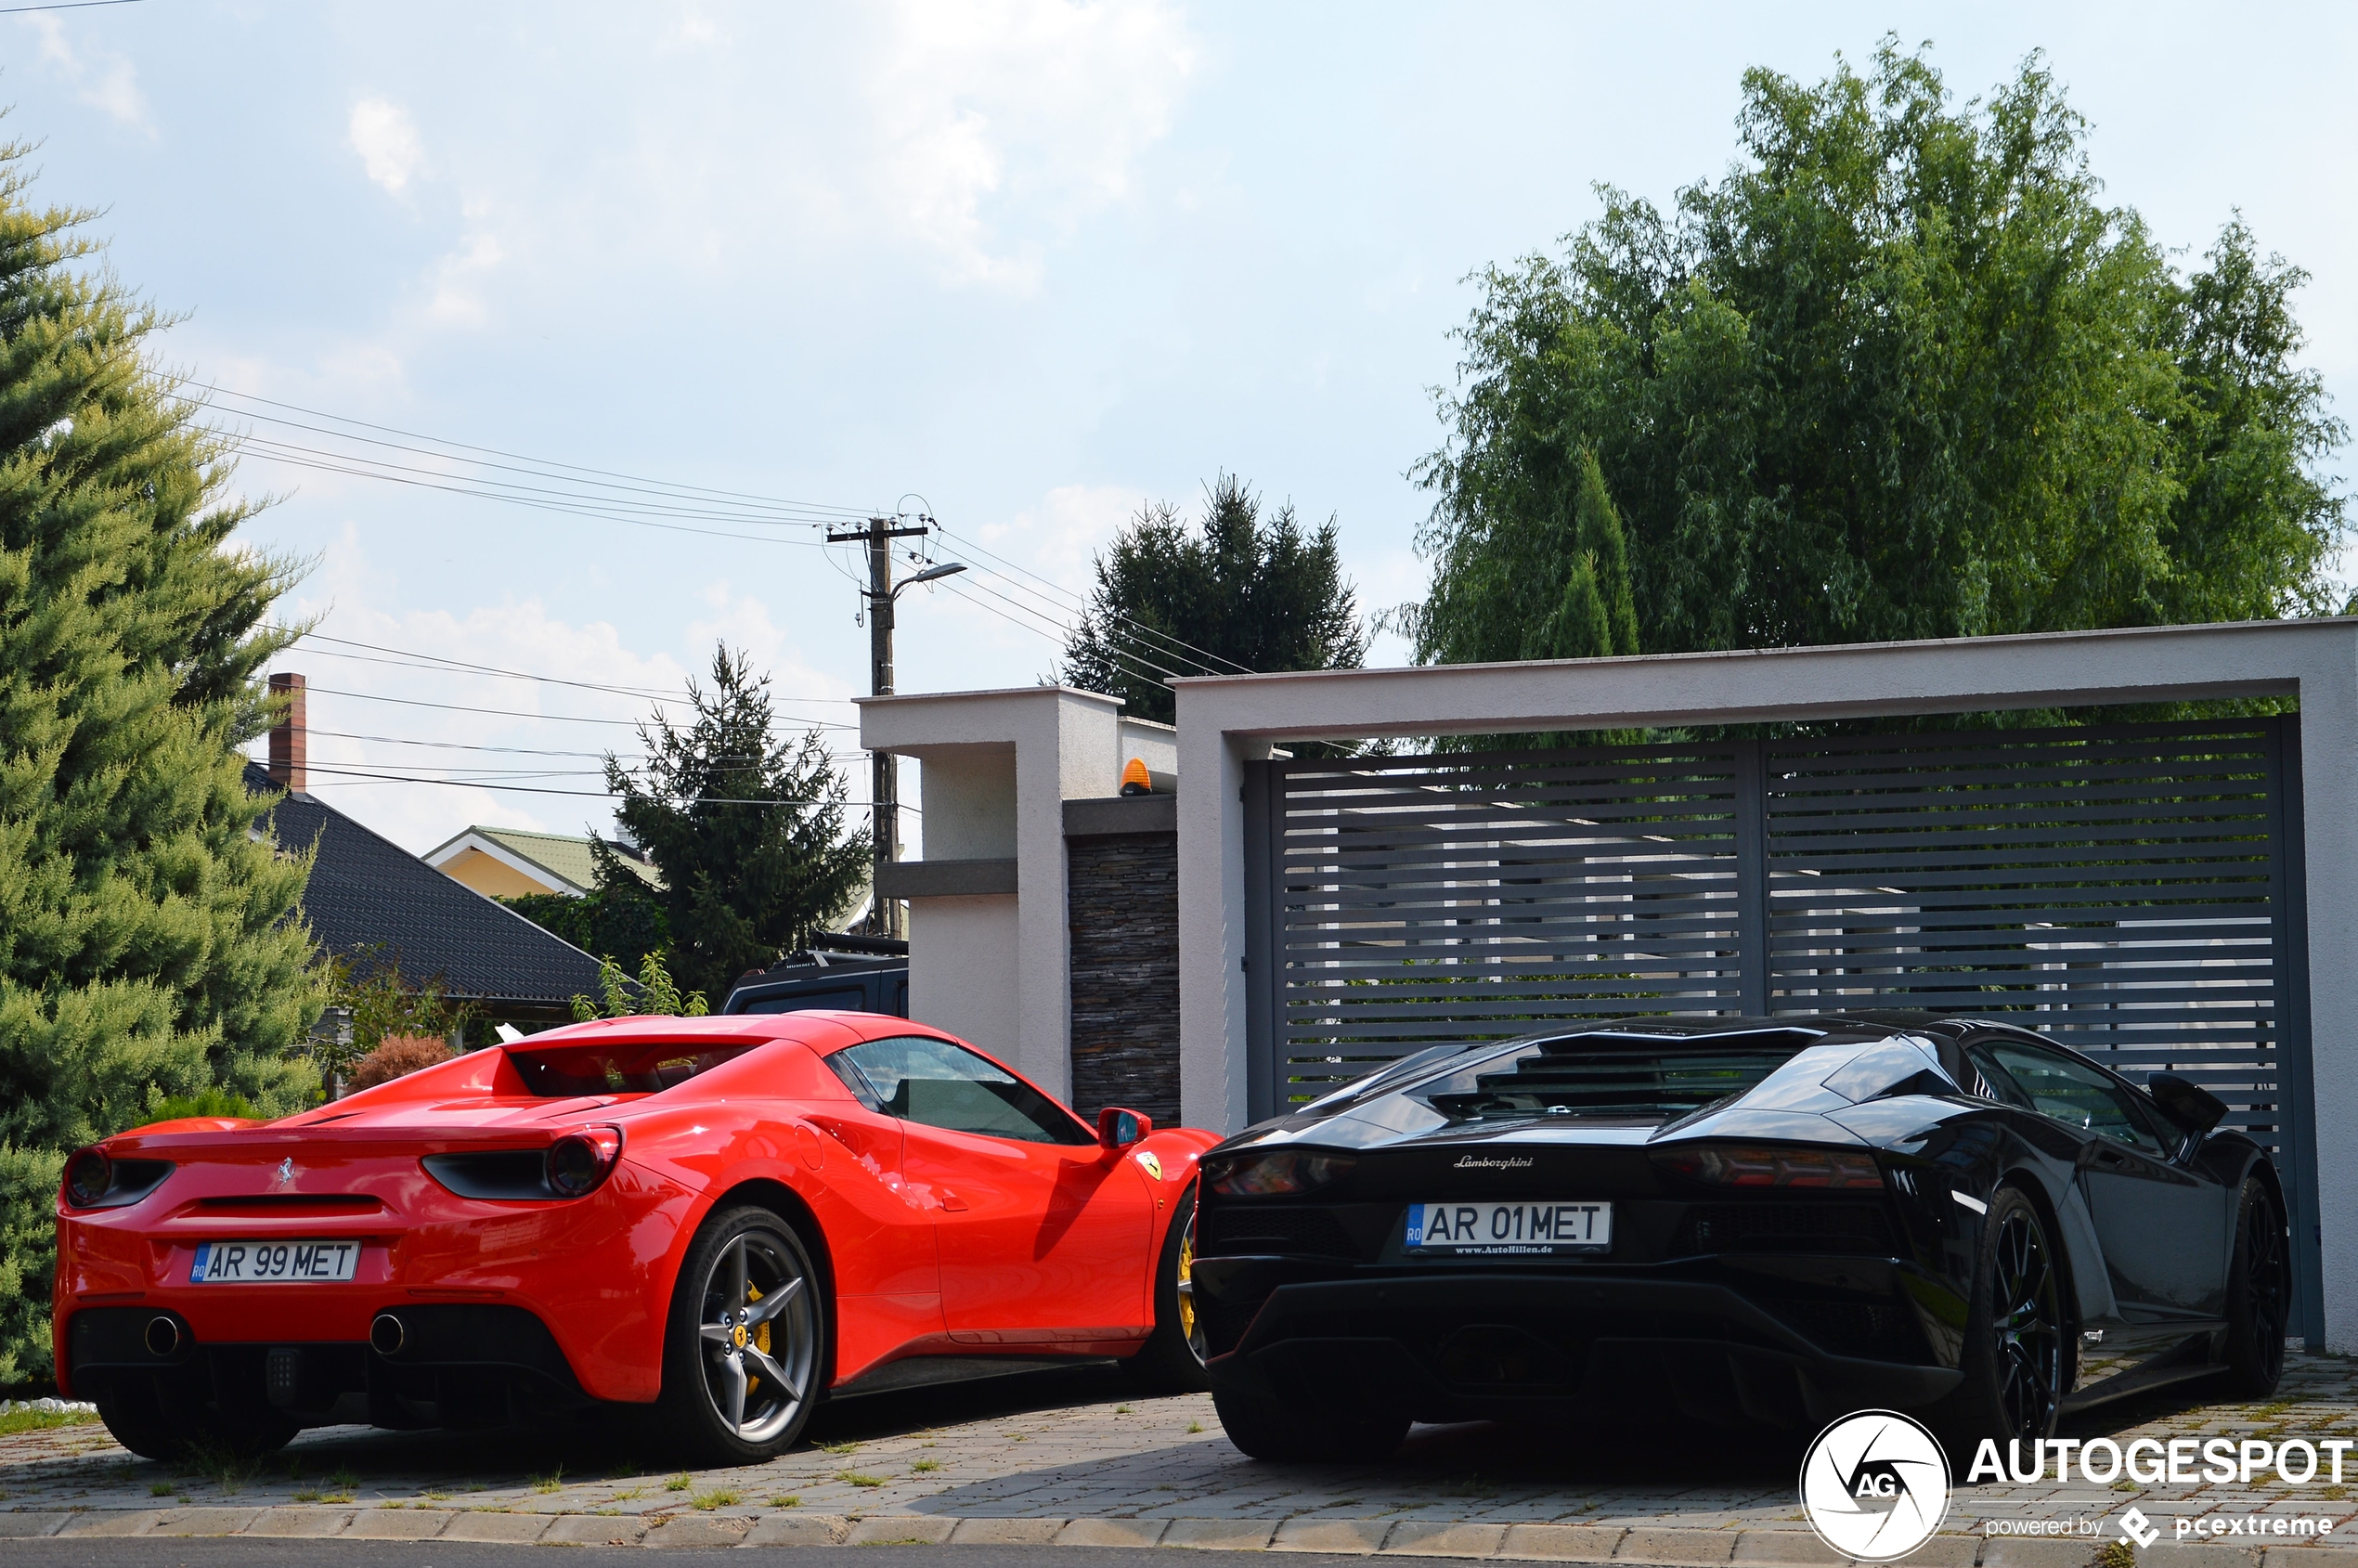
(1021,263)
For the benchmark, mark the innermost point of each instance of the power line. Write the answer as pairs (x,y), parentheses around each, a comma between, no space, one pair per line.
(604,514)
(384,468)
(1081,606)
(359,775)
(63,6)
(651,694)
(819,507)
(544,718)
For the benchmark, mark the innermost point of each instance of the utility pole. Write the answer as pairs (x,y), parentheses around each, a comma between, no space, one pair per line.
(884,915)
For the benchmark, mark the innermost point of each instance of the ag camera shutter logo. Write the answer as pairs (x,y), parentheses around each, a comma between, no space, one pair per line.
(1875,1486)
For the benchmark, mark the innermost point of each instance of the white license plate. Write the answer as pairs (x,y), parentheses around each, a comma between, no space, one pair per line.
(1524,1229)
(273,1263)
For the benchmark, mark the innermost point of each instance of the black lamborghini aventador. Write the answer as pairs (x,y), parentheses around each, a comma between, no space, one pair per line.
(1754,1220)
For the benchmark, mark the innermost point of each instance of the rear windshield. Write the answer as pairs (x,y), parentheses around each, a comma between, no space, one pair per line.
(1639,1076)
(641,1067)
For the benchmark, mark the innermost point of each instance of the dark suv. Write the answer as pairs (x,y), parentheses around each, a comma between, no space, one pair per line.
(851,973)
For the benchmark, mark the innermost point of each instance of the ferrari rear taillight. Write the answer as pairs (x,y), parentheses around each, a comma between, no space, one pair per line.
(1770,1165)
(580,1161)
(88,1174)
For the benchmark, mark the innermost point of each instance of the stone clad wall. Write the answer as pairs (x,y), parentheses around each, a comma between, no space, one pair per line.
(1123,904)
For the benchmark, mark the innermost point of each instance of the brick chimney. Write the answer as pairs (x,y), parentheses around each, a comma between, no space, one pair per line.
(291,738)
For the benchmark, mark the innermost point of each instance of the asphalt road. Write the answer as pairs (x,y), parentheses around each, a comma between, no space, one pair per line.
(240,1552)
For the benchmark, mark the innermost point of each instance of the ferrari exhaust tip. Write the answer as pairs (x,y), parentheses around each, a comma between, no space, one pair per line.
(386,1336)
(164,1335)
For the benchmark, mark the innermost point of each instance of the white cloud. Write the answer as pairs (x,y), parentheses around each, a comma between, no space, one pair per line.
(100,78)
(388,142)
(1045,101)
(1059,538)
(458,297)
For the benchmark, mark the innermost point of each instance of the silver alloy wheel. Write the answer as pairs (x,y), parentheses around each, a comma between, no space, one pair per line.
(755,1322)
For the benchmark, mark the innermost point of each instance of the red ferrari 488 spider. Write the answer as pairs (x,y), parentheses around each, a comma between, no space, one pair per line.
(720,1221)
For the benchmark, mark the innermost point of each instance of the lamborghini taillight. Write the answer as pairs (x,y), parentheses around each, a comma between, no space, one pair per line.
(1772,1165)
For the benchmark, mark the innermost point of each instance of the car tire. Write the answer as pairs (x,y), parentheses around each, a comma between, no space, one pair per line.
(1171,1359)
(153,1424)
(136,1418)
(2259,1295)
(2017,1353)
(1295,1431)
(720,1344)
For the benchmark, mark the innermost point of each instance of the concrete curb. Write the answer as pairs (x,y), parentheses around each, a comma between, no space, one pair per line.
(1608,1545)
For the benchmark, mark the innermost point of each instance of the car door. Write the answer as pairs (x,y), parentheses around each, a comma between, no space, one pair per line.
(2161,1225)
(1043,1237)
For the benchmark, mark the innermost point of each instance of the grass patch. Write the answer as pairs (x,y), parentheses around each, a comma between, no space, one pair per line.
(1194,1426)
(924,1466)
(718,1497)
(550,1482)
(1123,1410)
(161,1488)
(2117,1554)
(313,1496)
(679,1482)
(43,1421)
(786,1502)
(840,1449)
(626,1496)
(854,1478)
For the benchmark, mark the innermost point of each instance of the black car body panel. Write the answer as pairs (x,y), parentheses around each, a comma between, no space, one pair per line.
(817,981)
(1715,1300)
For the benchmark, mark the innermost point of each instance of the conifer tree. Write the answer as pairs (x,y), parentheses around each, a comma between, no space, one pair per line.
(145,951)
(747,827)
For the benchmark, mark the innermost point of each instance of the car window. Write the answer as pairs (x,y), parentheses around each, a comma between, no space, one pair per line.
(1990,1082)
(937,1085)
(2076,1094)
(852,1001)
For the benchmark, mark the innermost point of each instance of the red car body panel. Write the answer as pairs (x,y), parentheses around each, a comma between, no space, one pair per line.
(932,1241)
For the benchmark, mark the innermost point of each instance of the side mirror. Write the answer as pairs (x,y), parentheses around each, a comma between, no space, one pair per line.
(2187,1103)
(1118,1128)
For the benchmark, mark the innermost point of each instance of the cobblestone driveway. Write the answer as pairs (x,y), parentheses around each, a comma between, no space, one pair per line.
(1065,1456)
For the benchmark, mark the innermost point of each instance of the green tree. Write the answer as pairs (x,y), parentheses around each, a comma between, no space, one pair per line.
(748,828)
(656,994)
(1244,592)
(619,918)
(146,949)
(1900,374)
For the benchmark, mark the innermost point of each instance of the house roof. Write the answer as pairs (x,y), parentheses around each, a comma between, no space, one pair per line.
(370,901)
(562,858)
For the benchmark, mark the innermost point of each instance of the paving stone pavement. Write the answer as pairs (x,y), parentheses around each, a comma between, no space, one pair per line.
(1068,1459)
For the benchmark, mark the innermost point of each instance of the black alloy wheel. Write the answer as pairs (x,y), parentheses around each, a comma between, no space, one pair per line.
(2258,1294)
(742,1352)
(2016,1357)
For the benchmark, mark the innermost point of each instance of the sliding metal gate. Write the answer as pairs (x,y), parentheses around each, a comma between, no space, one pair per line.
(2132,891)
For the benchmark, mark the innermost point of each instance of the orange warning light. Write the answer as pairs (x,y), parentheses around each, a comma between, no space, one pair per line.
(1135,780)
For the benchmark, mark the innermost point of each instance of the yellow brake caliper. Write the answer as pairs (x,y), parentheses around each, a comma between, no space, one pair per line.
(1186,1283)
(760,1339)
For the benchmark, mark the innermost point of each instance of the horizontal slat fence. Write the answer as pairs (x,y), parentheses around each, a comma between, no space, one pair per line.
(2132,890)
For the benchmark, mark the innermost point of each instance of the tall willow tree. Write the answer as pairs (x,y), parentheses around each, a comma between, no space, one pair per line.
(145,948)
(1900,374)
